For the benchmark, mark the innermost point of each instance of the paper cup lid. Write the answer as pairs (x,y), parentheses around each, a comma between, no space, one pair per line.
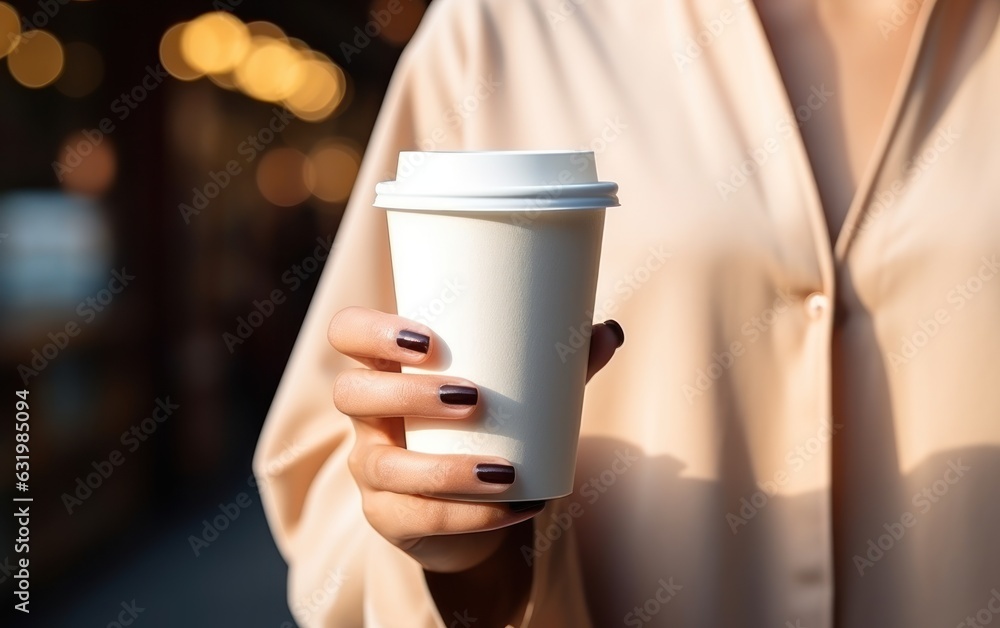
(496,181)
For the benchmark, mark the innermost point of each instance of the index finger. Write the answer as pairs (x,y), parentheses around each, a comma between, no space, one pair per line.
(367,334)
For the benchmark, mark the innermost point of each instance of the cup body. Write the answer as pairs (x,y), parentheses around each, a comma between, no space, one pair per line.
(504,291)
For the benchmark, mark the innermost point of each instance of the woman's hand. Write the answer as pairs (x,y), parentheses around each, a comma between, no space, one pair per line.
(401,489)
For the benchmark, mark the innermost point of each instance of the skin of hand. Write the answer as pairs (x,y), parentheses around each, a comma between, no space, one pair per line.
(401,489)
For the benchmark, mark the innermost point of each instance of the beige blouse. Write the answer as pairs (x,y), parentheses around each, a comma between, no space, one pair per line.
(794,433)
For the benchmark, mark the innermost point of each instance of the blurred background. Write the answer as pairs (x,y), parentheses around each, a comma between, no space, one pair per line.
(171,177)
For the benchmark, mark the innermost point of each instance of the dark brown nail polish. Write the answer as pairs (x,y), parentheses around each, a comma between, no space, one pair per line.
(458,395)
(413,341)
(495,473)
(526,506)
(615,327)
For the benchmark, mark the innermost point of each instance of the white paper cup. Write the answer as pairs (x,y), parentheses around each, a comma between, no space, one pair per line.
(498,253)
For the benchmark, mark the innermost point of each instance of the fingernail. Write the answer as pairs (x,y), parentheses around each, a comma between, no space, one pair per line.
(458,395)
(495,473)
(413,341)
(615,327)
(526,506)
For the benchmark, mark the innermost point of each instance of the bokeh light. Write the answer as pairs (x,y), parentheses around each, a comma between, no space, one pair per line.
(266,29)
(37,60)
(225,80)
(271,71)
(280,177)
(171,56)
(89,168)
(331,170)
(258,59)
(61,254)
(10,28)
(214,42)
(401,25)
(321,90)
(84,70)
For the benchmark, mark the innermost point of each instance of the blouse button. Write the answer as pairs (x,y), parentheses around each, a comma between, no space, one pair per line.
(817,304)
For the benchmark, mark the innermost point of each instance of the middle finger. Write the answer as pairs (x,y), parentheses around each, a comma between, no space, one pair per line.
(363,393)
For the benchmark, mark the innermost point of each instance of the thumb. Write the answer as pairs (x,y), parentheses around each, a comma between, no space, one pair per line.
(605,338)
